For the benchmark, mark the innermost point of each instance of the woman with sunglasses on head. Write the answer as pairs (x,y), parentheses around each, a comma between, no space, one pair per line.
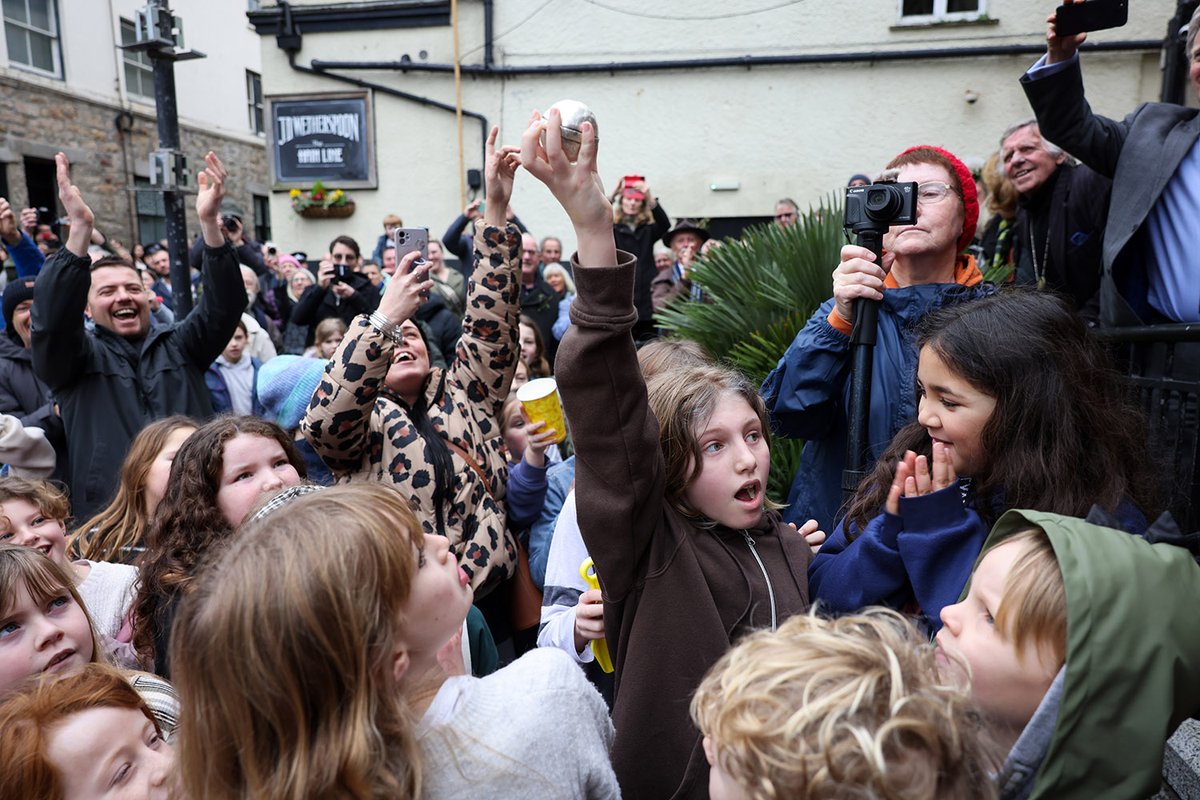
(923,268)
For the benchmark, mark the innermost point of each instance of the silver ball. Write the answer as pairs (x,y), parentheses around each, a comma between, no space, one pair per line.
(574,114)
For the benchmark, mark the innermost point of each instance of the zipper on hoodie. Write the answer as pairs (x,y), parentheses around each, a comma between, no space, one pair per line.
(770,589)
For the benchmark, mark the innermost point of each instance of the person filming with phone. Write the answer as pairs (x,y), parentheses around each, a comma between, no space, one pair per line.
(1153,158)
(340,291)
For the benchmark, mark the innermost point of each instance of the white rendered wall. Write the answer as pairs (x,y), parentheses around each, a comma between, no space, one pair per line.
(796,131)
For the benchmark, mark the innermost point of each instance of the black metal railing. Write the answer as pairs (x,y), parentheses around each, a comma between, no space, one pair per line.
(1161,364)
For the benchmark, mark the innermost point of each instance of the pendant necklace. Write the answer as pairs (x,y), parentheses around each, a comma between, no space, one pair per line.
(1039,270)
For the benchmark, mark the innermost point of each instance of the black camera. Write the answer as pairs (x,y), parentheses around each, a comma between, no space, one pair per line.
(231,223)
(878,206)
(341,273)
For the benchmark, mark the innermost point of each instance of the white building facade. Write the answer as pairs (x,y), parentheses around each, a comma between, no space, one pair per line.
(762,99)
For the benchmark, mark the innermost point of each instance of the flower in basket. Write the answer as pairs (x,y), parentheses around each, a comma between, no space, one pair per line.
(318,197)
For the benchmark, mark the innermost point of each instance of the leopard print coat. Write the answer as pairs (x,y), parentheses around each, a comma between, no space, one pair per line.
(362,430)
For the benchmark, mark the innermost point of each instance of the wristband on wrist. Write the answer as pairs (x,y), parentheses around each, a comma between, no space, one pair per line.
(385,327)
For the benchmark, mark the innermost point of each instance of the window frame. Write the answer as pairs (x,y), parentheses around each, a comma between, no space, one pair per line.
(127,60)
(55,36)
(940,14)
(262,217)
(255,106)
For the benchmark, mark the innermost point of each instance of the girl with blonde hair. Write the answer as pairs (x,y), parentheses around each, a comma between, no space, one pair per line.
(118,533)
(847,708)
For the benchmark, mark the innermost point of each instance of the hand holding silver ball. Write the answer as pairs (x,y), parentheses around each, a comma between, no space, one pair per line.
(574,114)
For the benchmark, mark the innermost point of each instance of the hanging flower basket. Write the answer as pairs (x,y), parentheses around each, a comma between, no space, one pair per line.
(319,202)
(327,212)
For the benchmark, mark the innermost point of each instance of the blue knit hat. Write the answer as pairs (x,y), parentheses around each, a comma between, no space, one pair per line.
(286,385)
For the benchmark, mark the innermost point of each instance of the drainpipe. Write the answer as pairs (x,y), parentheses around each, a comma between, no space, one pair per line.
(488,55)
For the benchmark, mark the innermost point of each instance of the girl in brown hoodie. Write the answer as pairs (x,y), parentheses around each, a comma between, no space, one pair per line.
(690,553)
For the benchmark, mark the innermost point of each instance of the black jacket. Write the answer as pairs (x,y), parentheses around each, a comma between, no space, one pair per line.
(26,397)
(1070,208)
(640,241)
(540,304)
(445,327)
(109,387)
(317,304)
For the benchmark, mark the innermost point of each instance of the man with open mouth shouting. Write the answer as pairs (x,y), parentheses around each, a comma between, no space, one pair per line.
(111,382)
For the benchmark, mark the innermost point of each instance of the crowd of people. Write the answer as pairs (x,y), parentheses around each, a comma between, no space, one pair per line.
(307,540)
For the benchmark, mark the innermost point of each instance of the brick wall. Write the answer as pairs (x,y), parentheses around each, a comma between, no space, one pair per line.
(38,122)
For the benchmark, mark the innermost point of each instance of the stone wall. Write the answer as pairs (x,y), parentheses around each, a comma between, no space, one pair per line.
(38,122)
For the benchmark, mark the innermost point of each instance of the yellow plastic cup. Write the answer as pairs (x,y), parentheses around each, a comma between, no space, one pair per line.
(542,404)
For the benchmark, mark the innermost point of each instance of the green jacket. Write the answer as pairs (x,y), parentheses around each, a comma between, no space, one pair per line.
(1133,657)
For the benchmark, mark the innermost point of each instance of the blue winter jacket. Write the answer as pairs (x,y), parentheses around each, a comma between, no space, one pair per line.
(918,561)
(219,391)
(808,392)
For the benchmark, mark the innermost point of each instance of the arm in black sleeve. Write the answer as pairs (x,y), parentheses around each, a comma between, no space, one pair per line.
(249,252)
(453,238)
(207,330)
(61,346)
(662,222)
(305,310)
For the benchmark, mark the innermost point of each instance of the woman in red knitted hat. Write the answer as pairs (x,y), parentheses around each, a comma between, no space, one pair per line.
(923,268)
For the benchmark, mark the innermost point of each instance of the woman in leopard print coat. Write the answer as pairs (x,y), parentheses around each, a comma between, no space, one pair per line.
(381,413)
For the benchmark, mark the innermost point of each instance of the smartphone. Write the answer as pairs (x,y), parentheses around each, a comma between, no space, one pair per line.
(408,240)
(1091,15)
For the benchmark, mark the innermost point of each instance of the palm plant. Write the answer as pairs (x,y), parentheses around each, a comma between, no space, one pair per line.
(762,288)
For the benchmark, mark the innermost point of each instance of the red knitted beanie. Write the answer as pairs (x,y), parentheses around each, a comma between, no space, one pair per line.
(970,196)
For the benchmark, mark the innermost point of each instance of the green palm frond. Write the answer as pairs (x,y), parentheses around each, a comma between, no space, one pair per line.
(762,288)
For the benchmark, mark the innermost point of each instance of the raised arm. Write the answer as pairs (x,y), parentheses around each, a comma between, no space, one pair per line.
(1063,113)
(206,331)
(487,351)
(21,248)
(619,469)
(453,236)
(61,347)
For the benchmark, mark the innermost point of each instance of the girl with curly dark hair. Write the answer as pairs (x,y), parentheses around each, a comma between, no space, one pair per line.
(1015,396)
(218,475)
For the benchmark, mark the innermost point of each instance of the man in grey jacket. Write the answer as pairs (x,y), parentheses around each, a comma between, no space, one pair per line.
(112,381)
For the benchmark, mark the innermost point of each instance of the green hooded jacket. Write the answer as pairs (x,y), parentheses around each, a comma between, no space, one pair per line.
(1133,657)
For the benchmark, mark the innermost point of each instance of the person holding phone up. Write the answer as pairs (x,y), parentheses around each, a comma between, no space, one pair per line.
(383,413)
(1153,158)
(340,291)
